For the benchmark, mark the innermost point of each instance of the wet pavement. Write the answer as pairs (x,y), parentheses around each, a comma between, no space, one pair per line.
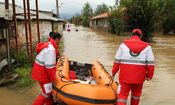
(87,46)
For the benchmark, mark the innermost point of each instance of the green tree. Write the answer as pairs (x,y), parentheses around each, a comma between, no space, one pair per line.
(71,19)
(116,20)
(143,14)
(76,19)
(103,8)
(86,14)
(168,21)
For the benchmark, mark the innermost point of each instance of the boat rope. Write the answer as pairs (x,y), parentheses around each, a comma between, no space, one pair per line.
(61,76)
(110,82)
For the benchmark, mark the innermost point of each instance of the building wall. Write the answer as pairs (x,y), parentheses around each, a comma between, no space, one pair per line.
(102,22)
(91,23)
(45,29)
(3,44)
(99,24)
(2,35)
(58,27)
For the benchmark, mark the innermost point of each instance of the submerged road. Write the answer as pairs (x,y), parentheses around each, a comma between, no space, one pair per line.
(87,46)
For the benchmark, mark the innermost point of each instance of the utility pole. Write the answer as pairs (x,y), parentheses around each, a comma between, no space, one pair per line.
(57,8)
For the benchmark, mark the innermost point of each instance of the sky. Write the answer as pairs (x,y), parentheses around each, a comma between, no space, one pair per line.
(69,7)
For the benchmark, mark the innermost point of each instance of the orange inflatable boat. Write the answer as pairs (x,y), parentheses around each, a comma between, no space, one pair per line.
(74,92)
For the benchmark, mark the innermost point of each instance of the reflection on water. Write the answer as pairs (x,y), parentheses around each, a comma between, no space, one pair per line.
(88,46)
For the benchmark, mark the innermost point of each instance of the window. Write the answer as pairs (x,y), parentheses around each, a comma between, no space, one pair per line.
(1,34)
(2,29)
(97,22)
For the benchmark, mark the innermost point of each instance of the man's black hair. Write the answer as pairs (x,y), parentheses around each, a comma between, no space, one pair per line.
(56,35)
(51,33)
(136,33)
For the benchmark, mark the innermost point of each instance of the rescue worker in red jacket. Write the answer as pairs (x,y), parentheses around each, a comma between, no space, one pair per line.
(44,68)
(135,60)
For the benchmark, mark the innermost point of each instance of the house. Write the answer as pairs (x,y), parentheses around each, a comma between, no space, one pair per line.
(47,23)
(99,22)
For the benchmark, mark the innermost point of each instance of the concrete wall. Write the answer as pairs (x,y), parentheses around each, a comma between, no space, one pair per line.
(58,27)
(3,45)
(99,24)
(2,35)
(45,29)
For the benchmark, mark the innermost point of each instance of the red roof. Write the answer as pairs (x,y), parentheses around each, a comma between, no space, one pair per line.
(104,15)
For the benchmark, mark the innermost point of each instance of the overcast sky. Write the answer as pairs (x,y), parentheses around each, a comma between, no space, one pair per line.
(68,6)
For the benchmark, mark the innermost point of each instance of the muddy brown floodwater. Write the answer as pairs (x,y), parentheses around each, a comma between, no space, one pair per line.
(87,46)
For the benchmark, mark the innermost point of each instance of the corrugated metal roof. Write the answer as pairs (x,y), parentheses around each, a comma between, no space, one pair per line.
(104,15)
(42,16)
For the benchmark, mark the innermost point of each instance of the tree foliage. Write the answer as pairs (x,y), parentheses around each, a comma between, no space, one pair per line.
(86,14)
(103,8)
(76,19)
(116,20)
(168,21)
(143,14)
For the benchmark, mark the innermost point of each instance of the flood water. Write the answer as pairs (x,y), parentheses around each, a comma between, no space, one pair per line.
(87,46)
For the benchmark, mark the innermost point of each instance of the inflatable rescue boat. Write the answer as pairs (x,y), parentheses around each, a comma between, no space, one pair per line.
(92,85)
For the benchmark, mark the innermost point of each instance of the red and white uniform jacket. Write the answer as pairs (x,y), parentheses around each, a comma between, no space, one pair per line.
(135,60)
(45,63)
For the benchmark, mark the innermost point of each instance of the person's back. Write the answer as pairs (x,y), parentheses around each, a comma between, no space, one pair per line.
(136,61)
(44,68)
(44,60)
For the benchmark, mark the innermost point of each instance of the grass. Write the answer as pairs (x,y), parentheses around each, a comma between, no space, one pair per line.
(61,46)
(24,79)
(23,67)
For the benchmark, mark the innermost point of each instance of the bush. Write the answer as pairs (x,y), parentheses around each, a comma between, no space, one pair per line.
(22,67)
(116,21)
(85,22)
(24,76)
(143,14)
(21,59)
(168,23)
